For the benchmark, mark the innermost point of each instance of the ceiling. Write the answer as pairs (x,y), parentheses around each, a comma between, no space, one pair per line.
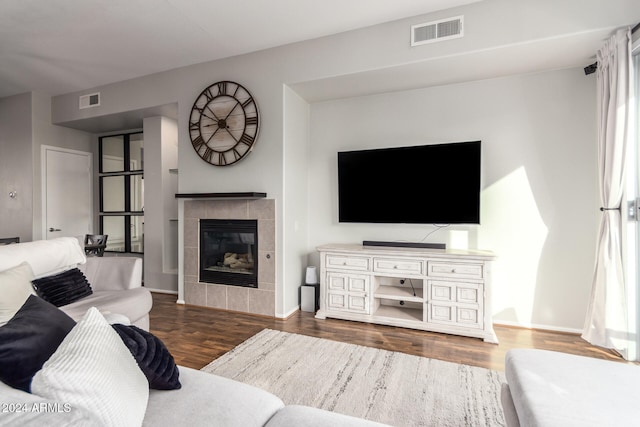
(57,47)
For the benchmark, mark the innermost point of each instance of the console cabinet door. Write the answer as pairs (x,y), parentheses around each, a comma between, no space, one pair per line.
(455,303)
(348,292)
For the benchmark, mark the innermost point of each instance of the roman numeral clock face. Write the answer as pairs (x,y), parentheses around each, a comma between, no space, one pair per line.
(224,123)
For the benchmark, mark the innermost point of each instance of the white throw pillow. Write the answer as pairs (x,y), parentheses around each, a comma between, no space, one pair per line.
(94,370)
(46,257)
(27,410)
(15,288)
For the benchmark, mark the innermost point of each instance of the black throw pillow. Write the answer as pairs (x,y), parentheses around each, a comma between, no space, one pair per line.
(152,356)
(29,339)
(63,288)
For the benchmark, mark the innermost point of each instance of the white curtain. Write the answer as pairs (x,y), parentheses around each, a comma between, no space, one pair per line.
(606,324)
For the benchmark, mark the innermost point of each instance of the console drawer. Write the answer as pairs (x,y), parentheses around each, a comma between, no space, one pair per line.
(452,269)
(398,267)
(348,262)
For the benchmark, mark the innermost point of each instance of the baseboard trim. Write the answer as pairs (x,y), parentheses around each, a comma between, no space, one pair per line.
(162,291)
(288,314)
(537,326)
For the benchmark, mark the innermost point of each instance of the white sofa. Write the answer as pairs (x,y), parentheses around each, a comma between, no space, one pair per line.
(202,399)
(116,281)
(553,389)
(117,288)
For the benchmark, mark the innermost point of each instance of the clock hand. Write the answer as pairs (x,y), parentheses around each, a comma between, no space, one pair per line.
(213,119)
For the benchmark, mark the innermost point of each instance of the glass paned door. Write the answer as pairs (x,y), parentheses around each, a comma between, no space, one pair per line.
(114,226)
(122,191)
(631,225)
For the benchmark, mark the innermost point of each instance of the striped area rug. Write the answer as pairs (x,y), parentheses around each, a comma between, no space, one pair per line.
(379,385)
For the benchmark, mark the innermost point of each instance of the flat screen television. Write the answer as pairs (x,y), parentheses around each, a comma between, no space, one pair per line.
(425,184)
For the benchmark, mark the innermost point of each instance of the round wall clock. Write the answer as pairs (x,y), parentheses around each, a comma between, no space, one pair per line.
(224,123)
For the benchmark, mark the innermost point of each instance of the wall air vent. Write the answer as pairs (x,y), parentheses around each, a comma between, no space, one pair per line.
(444,29)
(90,100)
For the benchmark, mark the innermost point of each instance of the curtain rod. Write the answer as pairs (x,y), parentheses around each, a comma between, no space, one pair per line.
(590,69)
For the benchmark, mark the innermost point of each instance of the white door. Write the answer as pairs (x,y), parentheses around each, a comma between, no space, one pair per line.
(67,192)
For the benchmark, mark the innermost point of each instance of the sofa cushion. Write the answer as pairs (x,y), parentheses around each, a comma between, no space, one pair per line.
(133,303)
(116,273)
(45,257)
(94,370)
(15,288)
(207,399)
(556,389)
(63,288)
(152,356)
(508,407)
(29,339)
(304,416)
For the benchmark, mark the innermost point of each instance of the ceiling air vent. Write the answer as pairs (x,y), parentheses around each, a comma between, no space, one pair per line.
(91,100)
(444,29)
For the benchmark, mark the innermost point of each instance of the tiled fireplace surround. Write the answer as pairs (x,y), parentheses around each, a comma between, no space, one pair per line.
(234,298)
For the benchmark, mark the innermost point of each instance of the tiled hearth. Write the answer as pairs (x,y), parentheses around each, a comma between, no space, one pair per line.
(234,298)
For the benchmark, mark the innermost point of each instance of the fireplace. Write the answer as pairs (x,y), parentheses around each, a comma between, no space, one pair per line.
(229,252)
(260,299)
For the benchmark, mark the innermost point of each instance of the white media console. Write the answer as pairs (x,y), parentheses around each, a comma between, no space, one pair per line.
(436,290)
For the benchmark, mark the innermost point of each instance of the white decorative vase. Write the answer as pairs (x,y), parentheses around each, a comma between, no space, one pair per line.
(311,278)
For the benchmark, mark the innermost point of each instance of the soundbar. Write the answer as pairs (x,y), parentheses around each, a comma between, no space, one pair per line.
(405,244)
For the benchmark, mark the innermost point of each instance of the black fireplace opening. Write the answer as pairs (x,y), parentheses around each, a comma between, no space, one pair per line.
(229,252)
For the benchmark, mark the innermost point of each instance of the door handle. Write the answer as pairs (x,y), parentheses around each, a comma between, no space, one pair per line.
(54,229)
(633,208)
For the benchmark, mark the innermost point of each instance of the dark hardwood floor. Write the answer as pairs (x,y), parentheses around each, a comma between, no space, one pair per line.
(197,335)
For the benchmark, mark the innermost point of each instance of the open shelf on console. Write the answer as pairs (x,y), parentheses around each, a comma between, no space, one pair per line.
(399,293)
(399,313)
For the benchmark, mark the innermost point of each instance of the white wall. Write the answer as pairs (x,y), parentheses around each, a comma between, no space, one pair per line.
(16,168)
(295,219)
(25,125)
(539,198)
(160,206)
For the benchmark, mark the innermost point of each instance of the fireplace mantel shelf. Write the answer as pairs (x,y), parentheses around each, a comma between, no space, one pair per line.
(222,196)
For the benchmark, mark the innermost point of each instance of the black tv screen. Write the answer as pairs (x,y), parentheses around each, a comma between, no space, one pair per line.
(425,184)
